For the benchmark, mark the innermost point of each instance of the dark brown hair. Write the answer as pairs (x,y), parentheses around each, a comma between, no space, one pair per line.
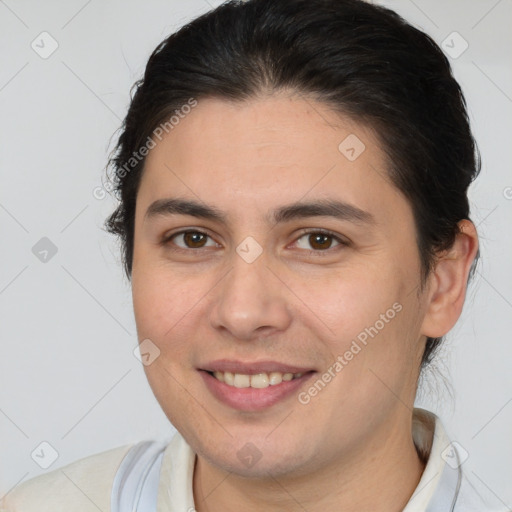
(362,60)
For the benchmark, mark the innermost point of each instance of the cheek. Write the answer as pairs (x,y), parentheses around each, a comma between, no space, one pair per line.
(160,306)
(347,301)
(148,296)
(368,317)
(160,302)
(169,309)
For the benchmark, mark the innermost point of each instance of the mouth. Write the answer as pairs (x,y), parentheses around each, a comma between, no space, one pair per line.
(258,381)
(248,387)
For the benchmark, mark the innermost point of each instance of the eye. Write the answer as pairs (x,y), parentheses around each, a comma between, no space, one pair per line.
(190,239)
(320,240)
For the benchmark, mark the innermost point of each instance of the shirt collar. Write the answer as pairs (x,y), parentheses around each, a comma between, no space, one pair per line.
(440,481)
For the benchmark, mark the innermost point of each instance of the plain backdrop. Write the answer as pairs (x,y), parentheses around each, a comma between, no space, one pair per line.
(68,374)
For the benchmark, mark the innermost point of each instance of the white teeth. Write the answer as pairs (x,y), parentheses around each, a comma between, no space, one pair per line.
(275,378)
(258,381)
(241,381)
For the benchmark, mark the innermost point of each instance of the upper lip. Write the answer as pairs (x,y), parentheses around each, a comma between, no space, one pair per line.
(251,368)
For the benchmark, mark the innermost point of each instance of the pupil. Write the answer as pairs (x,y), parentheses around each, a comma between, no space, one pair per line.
(193,237)
(320,239)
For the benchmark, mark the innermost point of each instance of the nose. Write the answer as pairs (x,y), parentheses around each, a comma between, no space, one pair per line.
(250,301)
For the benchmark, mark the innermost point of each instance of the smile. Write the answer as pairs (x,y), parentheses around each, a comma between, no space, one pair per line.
(253,392)
(258,381)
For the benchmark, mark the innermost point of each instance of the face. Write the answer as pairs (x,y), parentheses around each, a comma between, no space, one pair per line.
(285,249)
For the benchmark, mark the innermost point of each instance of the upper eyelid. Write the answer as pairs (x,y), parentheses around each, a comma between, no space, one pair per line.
(307,231)
(167,238)
(303,232)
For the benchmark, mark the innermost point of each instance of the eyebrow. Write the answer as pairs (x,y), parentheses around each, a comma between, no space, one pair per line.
(319,208)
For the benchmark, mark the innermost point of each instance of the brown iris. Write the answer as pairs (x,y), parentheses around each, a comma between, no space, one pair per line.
(318,240)
(194,239)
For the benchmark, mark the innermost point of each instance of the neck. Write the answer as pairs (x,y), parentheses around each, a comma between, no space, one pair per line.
(380,477)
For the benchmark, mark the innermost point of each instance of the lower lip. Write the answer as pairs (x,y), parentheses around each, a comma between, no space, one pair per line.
(252,399)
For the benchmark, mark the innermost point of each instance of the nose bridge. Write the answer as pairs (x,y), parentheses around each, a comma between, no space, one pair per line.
(250,298)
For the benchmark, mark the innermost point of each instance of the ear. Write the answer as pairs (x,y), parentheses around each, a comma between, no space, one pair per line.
(448,282)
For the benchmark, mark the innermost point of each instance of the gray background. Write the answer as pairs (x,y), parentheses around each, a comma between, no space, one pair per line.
(68,375)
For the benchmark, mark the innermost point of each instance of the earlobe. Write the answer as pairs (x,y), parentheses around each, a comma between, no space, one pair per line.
(448,282)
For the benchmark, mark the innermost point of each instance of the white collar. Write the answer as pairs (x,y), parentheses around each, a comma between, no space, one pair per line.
(439,482)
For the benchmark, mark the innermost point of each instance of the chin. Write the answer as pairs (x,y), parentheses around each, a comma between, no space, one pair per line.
(254,459)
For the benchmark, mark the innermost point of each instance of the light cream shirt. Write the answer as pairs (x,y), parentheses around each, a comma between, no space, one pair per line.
(86,485)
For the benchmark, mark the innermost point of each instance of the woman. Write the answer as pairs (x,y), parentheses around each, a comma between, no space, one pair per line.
(293,179)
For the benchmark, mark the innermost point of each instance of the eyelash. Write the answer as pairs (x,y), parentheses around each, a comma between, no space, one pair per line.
(317,252)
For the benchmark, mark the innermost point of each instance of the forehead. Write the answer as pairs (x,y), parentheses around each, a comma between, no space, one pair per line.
(285,128)
(265,151)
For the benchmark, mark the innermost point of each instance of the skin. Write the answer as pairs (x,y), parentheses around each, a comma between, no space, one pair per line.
(350,448)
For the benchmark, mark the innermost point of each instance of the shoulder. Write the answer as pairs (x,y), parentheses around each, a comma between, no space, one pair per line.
(82,486)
